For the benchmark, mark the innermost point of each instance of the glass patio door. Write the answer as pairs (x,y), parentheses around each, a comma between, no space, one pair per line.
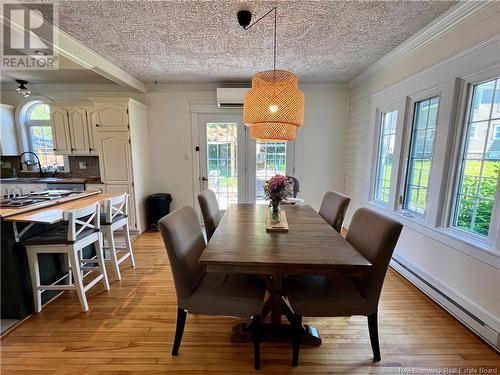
(233,165)
(222,157)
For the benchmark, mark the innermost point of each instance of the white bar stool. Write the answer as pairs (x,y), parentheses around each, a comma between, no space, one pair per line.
(83,229)
(116,217)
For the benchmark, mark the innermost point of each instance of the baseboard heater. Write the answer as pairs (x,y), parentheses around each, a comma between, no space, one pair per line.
(470,319)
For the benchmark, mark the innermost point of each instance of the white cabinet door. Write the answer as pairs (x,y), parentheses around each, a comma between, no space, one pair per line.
(90,129)
(111,117)
(115,159)
(78,129)
(60,130)
(120,189)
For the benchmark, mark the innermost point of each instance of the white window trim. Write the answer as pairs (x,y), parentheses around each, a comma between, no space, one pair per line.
(24,137)
(492,242)
(474,66)
(379,111)
(429,215)
(447,237)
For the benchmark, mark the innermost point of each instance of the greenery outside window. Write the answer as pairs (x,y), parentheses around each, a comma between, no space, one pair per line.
(270,160)
(385,155)
(420,155)
(480,161)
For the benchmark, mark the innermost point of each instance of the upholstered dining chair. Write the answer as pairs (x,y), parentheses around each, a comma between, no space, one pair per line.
(333,208)
(375,237)
(210,211)
(199,292)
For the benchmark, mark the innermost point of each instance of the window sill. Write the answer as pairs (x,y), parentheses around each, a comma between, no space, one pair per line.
(447,236)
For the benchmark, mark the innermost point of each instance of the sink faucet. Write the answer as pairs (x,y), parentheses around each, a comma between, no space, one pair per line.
(42,173)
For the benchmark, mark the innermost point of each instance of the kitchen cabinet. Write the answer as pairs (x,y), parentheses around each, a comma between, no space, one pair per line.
(90,124)
(115,160)
(78,130)
(70,128)
(60,130)
(122,142)
(111,117)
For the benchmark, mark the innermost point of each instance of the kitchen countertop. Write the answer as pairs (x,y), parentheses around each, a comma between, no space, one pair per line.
(51,180)
(54,213)
(7,212)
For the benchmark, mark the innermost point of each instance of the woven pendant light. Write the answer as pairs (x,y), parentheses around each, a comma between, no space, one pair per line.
(274,107)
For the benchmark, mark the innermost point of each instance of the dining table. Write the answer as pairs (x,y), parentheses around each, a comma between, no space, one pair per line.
(311,246)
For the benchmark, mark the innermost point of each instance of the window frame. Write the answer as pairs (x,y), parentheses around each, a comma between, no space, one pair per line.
(490,243)
(449,80)
(24,125)
(379,114)
(409,130)
(433,188)
(28,123)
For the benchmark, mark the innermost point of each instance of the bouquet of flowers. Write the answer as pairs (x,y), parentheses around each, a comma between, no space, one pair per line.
(278,188)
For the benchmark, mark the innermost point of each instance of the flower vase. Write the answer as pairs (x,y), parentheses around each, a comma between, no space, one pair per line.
(275,212)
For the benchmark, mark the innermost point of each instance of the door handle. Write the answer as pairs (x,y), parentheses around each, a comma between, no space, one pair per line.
(204,178)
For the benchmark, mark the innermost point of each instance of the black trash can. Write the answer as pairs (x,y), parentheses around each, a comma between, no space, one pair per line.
(158,206)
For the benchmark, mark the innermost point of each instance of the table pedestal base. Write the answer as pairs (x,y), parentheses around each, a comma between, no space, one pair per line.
(272,333)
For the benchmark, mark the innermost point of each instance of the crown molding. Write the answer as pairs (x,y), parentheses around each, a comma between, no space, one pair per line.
(423,37)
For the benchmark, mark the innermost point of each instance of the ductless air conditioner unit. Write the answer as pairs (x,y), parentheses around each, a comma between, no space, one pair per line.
(231,97)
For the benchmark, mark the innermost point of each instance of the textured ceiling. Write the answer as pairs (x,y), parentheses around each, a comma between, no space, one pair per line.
(201,41)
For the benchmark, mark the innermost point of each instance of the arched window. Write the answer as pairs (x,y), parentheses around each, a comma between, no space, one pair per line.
(38,130)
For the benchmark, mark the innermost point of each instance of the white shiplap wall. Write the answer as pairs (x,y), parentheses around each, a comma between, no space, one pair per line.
(468,280)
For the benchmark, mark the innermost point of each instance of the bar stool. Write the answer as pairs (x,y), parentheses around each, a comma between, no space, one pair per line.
(82,228)
(115,217)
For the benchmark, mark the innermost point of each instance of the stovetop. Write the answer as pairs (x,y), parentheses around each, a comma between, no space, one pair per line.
(13,201)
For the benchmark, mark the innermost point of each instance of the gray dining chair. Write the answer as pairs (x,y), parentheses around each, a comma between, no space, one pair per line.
(210,211)
(199,292)
(375,237)
(333,208)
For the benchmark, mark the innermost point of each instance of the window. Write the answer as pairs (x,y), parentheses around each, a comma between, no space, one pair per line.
(385,155)
(420,155)
(480,161)
(39,135)
(270,160)
(222,159)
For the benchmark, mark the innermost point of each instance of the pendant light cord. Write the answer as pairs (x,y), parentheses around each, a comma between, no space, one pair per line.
(275,9)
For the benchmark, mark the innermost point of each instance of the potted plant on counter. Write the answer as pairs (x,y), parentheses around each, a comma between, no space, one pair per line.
(276,189)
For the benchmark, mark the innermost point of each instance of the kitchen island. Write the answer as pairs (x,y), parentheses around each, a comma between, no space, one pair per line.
(20,223)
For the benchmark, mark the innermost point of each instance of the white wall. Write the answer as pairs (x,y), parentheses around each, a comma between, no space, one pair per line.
(320,144)
(467,278)
(319,150)
(8,141)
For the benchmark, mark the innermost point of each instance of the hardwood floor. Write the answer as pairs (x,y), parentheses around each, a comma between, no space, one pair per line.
(129,330)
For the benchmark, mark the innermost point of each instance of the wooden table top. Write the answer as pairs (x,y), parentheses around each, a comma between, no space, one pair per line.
(311,246)
(54,213)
